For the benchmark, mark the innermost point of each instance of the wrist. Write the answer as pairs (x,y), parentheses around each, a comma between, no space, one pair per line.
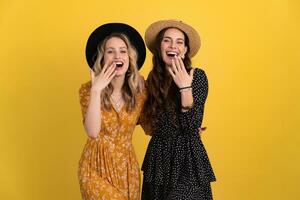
(185,88)
(96,91)
(187,107)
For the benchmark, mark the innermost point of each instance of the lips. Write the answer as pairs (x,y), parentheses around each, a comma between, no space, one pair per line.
(171,53)
(119,64)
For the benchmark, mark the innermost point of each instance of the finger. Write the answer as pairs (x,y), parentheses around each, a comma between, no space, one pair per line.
(112,76)
(171,72)
(177,64)
(104,68)
(111,69)
(174,66)
(106,65)
(108,69)
(182,65)
(192,73)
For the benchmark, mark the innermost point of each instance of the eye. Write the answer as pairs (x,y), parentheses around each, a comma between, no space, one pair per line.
(166,40)
(109,51)
(123,51)
(180,42)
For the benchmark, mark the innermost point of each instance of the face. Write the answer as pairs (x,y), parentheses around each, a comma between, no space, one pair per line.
(116,51)
(172,44)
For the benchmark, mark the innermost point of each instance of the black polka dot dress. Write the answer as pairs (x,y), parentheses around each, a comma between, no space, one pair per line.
(176,165)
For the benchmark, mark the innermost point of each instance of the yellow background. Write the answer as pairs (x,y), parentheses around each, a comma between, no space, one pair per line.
(250,52)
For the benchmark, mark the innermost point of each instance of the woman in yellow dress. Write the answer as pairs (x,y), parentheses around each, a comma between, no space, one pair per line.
(111,104)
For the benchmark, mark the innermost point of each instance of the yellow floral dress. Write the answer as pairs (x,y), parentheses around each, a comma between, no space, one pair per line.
(108,168)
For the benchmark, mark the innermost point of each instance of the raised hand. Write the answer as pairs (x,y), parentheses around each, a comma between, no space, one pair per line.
(101,81)
(179,73)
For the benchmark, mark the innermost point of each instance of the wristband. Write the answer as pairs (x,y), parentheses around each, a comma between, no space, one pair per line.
(185,87)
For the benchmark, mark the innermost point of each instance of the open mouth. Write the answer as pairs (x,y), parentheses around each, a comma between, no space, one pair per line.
(171,54)
(119,64)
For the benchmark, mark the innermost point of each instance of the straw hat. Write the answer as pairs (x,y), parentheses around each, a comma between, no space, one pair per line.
(100,33)
(153,30)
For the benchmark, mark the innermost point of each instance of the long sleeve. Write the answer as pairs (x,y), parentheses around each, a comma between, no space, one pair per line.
(191,120)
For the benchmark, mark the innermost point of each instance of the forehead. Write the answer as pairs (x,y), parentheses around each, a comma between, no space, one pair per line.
(174,33)
(115,42)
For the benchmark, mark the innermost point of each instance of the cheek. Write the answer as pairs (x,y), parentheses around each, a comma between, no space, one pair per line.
(163,47)
(182,50)
(107,58)
(126,58)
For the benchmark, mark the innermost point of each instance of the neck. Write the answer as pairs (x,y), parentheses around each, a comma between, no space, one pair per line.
(117,83)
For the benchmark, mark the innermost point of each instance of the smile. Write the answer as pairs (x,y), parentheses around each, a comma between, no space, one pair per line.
(119,64)
(171,53)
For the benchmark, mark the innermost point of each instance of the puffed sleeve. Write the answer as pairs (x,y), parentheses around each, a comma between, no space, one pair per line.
(84,98)
(191,120)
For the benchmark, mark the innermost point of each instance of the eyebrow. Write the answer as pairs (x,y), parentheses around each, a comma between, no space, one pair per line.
(171,38)
(114,48)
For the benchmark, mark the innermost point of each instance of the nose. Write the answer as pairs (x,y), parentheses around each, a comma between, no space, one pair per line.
(173,44)
(117,55)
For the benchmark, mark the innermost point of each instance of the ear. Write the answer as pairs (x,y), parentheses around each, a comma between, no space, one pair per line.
(184,52)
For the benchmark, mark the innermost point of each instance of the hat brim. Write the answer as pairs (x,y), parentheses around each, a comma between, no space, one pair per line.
(100,33)
(153,30)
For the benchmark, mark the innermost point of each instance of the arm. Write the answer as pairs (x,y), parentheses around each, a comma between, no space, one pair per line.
(92,107)
(193,94)
(92,120)
(88,104)
(186,99)
(192,118)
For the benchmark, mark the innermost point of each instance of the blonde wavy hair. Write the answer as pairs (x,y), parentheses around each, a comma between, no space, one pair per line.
(131,86)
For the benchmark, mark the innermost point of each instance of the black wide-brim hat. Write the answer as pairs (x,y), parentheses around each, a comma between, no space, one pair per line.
(100,33)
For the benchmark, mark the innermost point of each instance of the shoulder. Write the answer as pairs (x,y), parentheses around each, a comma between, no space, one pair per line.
(199,75)
(85,88)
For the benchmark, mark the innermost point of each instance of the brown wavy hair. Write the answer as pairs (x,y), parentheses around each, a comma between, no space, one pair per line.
(163,93)
(131,86)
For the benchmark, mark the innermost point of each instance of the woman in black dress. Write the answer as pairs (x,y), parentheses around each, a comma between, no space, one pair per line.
(176,165)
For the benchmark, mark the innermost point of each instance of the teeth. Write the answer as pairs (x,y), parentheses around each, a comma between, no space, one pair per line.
(173,54)
(119,64)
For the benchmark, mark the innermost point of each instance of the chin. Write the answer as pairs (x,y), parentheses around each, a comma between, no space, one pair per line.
(118,74)
(121,72)
(167,61)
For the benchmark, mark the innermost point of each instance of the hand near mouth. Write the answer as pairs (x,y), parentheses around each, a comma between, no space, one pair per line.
(179,74)
(102,80)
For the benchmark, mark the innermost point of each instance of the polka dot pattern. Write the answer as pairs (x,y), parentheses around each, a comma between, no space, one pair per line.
(176,164)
